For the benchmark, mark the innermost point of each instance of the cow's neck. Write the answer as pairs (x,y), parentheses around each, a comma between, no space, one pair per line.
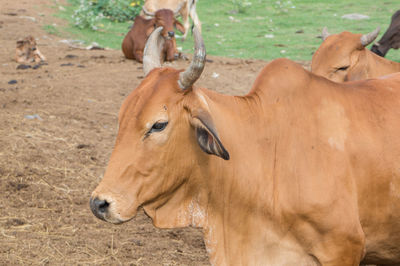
(236,203)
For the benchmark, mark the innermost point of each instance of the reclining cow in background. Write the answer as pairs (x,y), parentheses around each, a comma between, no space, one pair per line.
(182,7)
(27,51)
(343,57)
(135,40)
(391,38)
(300,171)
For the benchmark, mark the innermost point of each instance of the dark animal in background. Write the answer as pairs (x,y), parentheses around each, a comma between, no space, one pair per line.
(391,38)
(135,40)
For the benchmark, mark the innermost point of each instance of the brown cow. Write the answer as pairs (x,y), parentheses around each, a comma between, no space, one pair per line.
(300,171)
(27,51)
(343,57)
(391,38)
(135,40)
(181,7)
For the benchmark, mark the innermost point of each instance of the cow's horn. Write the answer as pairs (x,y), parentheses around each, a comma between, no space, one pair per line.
(325,33)
(147,13)
(370,37)
(152,51)
(176,11)
(191,74)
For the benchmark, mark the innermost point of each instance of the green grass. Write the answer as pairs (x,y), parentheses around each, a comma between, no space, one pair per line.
(229,33)
(51,29)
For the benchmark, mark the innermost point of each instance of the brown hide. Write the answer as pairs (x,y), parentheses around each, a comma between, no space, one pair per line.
(312,176)
(342,57)
(185,9)
(27,51)
(391,38)
(135,40)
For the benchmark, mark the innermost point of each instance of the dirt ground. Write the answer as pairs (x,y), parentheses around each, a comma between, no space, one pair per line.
(57,128)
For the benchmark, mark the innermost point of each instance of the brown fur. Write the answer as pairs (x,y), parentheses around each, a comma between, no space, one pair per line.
(135,40)
(313,176)
(345,50)
(27,51)
(188,8)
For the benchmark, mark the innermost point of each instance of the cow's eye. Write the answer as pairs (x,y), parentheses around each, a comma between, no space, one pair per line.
(158,126)
(343,68)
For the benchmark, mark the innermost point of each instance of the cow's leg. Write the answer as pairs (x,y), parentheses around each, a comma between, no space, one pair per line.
(185,17)
(195,18)
(138,56)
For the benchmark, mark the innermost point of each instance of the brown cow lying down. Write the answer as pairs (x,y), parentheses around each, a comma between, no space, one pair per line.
(391,38)
(27,51)
(184,8)
(135,40)
(344,57)
(300,171)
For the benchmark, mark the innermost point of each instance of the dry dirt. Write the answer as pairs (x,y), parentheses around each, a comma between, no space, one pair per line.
(57,128)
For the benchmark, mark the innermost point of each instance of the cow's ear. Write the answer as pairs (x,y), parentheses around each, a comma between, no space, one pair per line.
(179,26)
(20,43)
(207,136)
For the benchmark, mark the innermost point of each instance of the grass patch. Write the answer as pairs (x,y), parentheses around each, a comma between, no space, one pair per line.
(50,29)
(260,28)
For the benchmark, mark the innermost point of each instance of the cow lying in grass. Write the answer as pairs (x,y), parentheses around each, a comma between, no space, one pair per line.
(300,171)
(135,40)
(28,52)
(343,57)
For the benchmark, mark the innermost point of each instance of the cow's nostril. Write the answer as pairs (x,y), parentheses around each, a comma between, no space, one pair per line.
(99,207)
(103,205)
(171,34)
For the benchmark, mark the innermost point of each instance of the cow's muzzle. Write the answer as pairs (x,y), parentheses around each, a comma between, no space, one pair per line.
(99,208)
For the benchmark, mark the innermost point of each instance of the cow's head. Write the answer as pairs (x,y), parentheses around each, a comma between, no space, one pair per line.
(391,38)
(166,18)
(165,132)
(341,56)
(27,51)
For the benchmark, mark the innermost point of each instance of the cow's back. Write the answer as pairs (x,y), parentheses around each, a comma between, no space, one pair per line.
(135,40)
(153,6)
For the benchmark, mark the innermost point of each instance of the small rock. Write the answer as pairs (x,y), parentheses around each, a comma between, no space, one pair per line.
(34,116)
(68,64)
(300,31)
(23,66)
(355,16)
(215,75)
(81,66)
(71,56)
(36,66)
(82,146)
(30,18)
(269,36)
(13,81)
